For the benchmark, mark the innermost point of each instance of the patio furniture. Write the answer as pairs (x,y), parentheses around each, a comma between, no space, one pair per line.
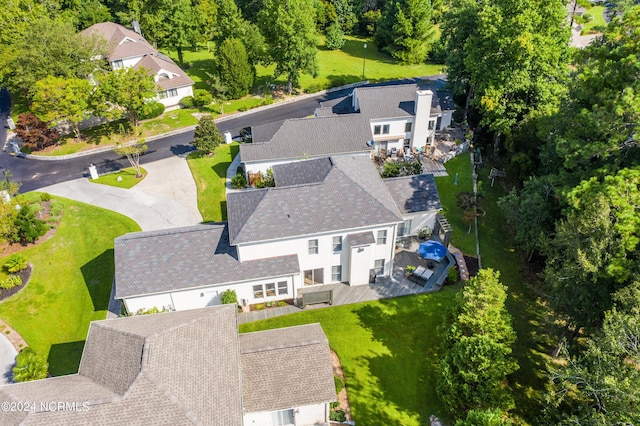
(324,296)
(423,272)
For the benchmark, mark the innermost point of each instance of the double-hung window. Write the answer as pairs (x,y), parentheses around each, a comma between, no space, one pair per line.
(379,267)
(313,246)
(336,273)
(382,237)
(337,244)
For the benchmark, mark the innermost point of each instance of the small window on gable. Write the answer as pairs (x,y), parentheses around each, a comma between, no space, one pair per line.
(407,126)
(376,129)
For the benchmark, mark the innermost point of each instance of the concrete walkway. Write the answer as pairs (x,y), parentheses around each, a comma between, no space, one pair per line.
(167,200)
(231,172)
(7,360)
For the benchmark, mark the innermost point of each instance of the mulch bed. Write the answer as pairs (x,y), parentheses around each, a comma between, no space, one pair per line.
(472,265)
(7,248)
(25,274)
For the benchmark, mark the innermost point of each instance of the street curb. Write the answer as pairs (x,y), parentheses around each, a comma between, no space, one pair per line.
(191,128)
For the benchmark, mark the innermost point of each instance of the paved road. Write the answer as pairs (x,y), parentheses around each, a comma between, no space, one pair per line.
(35,174)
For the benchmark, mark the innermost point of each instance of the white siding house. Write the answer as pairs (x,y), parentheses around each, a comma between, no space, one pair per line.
(128,49)
(393,118)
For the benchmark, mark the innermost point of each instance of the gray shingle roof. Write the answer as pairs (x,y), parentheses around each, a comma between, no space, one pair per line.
(310,137)
(157,62)
(361,239)
(414,193)
(264,132)
(393,100)
(302,172)
(114,34)
(190,257)
(286,368)
(188,372)
(351,196)
(446,100)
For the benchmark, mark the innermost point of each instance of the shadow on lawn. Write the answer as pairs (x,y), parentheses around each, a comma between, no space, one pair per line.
(406,377)
(98,277)
(64,358)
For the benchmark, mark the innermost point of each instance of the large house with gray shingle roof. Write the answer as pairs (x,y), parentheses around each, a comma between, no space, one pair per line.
(392,117)
(327,220)
(128,49)
(185,368)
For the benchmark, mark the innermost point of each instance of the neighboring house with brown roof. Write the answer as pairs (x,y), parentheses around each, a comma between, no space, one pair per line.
(391,117)
(128,48)
(328,220)
(185,368)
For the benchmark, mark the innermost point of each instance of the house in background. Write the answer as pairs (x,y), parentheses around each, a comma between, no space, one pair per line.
(185,368)
(393,117)
(128,48)
(328,220)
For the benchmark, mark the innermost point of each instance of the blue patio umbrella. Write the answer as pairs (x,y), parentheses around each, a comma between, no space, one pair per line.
(432,250)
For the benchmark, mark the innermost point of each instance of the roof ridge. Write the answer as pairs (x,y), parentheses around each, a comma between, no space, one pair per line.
(287,345)
(397,212)
(172,231)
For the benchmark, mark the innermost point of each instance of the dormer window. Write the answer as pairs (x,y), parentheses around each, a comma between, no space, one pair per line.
(117,64)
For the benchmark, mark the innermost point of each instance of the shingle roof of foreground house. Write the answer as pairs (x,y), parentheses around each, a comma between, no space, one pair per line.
(321,195)
(122,42)
(156,63)
(414,193)
(180,368)
(174,259)
(301,137)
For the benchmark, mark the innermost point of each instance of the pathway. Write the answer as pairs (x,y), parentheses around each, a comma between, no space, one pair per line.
(10,344)
(462,264)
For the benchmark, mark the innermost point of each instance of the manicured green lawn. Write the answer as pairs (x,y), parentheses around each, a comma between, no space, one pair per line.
(447,188)
(389,350)
(336,67)
(598,19)
(210,174)
(128,176)
(70,285)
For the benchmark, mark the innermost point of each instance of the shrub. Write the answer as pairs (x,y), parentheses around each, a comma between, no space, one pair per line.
(314,88)
(587,17)
(339,383)
(29,366)
(266,180)
(335,37)
(151,110)
(44,197)
(438,52)
(10,282)
(424,233)
(268,100)
(34,133)
(56,208)
(27,229)
(228,297)
(16,263)
(243,108)
(408,270)
(187,102)
(238,181)
(201,98)
(453,276)
(207,136)
(150,311)
(338,416)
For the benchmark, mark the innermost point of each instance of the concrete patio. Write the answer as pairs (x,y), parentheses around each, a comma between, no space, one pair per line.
(385,287)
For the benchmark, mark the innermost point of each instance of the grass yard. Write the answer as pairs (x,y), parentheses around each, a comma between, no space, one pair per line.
(389,351)
(597,21)
(70,285)
(336,67)
(530,319)
(128,176)
(447,188)
(210,174)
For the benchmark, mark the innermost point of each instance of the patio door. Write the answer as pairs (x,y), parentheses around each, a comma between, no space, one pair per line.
(314,276)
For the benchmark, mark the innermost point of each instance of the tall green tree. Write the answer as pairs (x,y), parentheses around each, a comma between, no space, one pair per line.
(67,54)
(406,30)
(58,100)
(207,136)
(289,30)
(477,348)
(509,56)
(124,92)
(595,249)
(601,383)
(234,69)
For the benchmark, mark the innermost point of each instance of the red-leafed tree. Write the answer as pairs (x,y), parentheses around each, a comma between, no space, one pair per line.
(34,133)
